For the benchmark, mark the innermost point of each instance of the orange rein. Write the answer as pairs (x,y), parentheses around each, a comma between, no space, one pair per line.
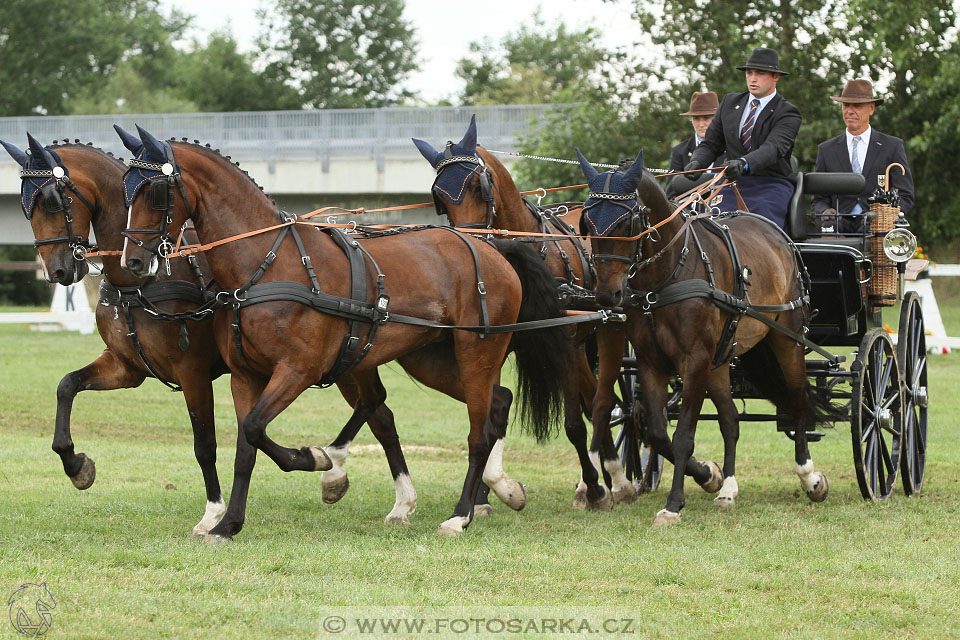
(182,251)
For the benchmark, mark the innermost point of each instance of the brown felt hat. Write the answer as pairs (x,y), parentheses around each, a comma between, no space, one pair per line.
(857,92)
(703,104)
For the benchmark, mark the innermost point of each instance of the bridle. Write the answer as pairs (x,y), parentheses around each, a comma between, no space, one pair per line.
(56,200)
(638,213)
(487,186)
(161,197)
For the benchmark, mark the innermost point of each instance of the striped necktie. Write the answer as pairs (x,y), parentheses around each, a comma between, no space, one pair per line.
(854,159)
(746,131)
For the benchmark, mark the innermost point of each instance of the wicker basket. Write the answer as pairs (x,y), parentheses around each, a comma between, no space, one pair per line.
(883,283)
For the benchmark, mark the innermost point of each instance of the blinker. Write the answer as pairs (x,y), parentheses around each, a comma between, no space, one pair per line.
(158,196)
(52,200)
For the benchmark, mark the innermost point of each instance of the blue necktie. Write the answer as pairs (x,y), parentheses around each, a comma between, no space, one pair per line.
(857,168)
(746,131)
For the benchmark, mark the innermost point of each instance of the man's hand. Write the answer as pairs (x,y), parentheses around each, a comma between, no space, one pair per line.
(735,168)
(693,165)
(829,212)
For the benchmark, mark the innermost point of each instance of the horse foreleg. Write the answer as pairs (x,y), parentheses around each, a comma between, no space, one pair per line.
(719,387)
(198,395)
(508,490)
(107,372)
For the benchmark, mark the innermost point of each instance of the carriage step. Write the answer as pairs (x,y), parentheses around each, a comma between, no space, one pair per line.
(812,436)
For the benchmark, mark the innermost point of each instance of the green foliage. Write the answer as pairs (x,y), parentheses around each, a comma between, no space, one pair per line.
(531,65)
(56,51)
(129,91)
(339,54)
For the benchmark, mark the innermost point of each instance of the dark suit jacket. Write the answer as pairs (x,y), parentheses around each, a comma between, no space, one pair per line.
(680,155)
(833,155)
(772,141)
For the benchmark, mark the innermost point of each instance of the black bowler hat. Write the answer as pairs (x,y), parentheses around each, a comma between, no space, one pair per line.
(763,59)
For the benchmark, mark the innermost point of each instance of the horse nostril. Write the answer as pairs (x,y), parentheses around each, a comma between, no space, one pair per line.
(134,265)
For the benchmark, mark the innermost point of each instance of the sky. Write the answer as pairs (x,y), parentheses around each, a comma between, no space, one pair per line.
(444,28)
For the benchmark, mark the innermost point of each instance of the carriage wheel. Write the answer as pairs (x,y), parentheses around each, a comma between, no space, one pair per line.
(635,454)
(912,356)
(876,416)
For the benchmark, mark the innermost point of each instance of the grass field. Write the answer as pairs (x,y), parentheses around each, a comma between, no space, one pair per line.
(120,562)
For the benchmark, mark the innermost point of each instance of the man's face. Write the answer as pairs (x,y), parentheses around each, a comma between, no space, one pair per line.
(857,116)
(700,124)
(760,84)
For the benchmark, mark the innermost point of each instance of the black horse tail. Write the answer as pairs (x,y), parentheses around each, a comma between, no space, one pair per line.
(761,368)
(544,356)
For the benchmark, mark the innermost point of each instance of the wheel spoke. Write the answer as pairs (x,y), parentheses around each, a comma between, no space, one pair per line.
(874,465)
(868,430)
(887,460)
(918,372)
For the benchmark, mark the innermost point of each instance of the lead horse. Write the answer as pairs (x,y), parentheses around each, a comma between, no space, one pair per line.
(475,191)
(684,280)
(277,343)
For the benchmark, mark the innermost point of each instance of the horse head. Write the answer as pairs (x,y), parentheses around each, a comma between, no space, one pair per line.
(465,189)
(59,201)
(613,217)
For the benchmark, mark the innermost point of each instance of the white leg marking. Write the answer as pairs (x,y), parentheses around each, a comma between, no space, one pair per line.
(665,518)
(406,501)
(453,526)
(808,477)
(730,490)
(334,480)
(509,491)
(211,517)
(617,477)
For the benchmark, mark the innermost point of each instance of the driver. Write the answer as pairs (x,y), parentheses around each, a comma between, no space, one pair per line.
(756,129)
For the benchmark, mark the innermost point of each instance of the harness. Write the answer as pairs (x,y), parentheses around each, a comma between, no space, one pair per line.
(55,200)
(147,296)
(572,294)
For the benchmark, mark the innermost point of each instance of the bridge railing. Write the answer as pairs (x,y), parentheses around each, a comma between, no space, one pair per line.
(372,133)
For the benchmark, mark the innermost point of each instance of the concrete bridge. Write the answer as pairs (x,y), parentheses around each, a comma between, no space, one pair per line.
(303,159)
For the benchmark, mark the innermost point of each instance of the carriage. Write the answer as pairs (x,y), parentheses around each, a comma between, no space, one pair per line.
(882,390)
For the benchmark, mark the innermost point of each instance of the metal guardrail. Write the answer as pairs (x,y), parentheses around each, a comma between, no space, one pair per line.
(269,135)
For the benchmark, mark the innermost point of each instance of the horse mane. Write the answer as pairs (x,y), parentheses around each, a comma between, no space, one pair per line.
(653,196)
(206,149)
(89,146)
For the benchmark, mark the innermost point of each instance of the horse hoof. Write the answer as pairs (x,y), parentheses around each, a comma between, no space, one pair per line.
(87,474)
(604,503)
(214,538)
(482,510)
(515,496)
(396,520)
(580,499)
(335,489)
(820,489)
(627,495)
(716,478)
(321,461)
(723,502)
(665,519)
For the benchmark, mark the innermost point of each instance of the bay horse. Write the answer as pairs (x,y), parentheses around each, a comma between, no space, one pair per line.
(429,279)
(62,211)
(477,192)
(139,343)
(674,332)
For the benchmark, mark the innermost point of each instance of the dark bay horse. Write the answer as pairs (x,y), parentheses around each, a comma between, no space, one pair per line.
(477,191)
(61,213)
(691,335)
(278,348)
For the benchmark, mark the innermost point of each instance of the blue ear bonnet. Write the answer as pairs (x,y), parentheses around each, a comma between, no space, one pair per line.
(30,187)
(137,176)
(603,215)
(452,180)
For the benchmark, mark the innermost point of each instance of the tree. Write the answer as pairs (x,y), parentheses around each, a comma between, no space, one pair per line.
(339,53)
(531,65)
(61,49)
(127,90)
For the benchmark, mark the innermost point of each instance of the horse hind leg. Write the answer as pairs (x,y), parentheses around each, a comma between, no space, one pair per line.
(198,396)
(729,419)
(508,490)
(103,374)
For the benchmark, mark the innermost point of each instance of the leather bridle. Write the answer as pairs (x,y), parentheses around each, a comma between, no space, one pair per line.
(639,218)
(487,186)
(56,200)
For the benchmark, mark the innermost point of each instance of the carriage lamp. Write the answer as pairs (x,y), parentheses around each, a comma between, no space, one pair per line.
(899,244)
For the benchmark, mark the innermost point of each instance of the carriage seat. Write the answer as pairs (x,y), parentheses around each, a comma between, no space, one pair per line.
(824,183)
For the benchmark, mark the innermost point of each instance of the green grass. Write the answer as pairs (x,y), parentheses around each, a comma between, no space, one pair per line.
(121,563)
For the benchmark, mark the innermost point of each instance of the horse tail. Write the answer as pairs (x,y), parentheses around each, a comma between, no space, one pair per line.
(762,369)
(543,356)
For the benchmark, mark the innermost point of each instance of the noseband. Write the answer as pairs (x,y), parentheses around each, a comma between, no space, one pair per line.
(55,200)
(161,198)
(487,185)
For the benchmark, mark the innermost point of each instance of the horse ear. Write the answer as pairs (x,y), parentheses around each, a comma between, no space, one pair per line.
(586,167)
(469,141)
(36,150)
(130,141)
(427,151)
(634,174)
(16,153)
(150,144)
